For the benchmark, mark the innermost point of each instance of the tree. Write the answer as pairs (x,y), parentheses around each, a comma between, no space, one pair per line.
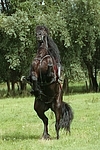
(83,26)
(74,26)
(17,45)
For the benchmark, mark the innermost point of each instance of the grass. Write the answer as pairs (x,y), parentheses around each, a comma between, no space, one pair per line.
(21,129)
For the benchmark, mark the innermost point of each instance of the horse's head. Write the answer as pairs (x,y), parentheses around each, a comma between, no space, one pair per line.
(41,33)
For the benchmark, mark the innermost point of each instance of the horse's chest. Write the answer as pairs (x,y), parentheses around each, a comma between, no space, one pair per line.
(43,66)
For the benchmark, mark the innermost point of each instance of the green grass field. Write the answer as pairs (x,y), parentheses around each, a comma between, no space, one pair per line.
(21,129)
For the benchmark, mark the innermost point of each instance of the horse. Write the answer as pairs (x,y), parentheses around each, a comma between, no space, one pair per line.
(46,87)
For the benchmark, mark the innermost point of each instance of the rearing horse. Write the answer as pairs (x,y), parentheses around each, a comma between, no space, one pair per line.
(46,88)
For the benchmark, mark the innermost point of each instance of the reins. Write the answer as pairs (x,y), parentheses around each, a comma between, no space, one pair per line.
(41,59)
(44,58)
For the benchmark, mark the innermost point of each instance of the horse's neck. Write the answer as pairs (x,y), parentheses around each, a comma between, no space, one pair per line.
(42,51)
(44,44)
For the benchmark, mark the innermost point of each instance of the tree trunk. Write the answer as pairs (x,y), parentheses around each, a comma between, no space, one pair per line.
(93,85)
(13,87)
(87,89)
(8,86)
(3,7)
(22,86)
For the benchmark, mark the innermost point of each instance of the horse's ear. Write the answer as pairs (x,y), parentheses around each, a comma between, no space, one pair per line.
(46,29)
(42,27)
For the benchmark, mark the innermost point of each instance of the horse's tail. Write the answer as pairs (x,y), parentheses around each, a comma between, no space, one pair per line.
(66,117)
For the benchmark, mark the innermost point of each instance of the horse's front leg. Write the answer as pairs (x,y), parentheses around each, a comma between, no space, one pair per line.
(40,108)
(34,80)
(35,87)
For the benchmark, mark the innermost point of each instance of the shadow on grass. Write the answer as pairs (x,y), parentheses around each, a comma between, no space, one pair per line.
(20,137)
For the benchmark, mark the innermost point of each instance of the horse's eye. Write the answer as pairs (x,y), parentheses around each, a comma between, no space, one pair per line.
(39,33)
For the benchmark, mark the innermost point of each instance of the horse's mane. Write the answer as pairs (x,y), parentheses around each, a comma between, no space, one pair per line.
(53,49)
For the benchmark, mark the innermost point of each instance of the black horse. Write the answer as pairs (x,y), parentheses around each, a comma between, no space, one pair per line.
(45,85)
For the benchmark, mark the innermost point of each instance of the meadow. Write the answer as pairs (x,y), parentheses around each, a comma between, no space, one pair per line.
(21,129)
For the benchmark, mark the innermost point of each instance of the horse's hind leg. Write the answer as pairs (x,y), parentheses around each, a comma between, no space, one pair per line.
(57,111)
(57,115)
(40,108)
(68,128)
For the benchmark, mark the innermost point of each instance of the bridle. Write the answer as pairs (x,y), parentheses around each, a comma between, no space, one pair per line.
(42,37)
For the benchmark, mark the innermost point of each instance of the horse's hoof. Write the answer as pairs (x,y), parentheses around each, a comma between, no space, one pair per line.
(46,137)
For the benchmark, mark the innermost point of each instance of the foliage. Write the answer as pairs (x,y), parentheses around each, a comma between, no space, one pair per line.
(17,32)
(17,42)
(73,24)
